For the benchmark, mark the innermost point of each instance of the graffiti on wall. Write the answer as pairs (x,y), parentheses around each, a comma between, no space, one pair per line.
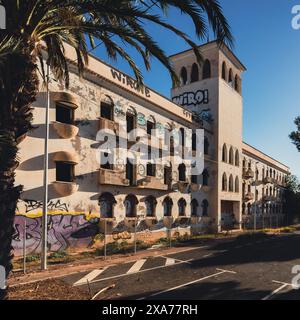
(189,99)
(64,231)
(32,205)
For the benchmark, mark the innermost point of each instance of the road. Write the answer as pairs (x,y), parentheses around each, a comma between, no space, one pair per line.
(236,269)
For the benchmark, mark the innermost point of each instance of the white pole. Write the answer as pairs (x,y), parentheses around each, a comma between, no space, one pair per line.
(45,202)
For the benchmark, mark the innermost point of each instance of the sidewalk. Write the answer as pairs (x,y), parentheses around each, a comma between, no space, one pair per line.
(60,270)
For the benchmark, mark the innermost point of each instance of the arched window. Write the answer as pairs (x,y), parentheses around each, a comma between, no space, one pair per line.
(230,78)
(224,182)
(236,84)
(182,136)
(257,175)
(168,175)
(237,158)
(224,153)
(206,146)
(194,208)
(150,206)
(151,126)
(130,203)
(204,206)
(244,164)
(107,202)
(206,70)
(231,183)
(183,76)
(181,207)
(224,71)
(205,176)
(107,108)
(131,116)
(168,205)
(182,172)
(231,156)
(195,73)
(237,185)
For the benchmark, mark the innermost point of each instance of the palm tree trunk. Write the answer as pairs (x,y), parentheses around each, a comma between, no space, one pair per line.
(18,89)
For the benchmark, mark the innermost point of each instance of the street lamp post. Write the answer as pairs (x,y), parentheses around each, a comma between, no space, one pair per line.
(45,202)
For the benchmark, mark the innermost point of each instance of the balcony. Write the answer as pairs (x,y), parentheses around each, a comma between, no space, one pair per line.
(65,189)
(153,183)
(105,124)
(268,180)
(65,131)
(248,174)
(113,177)
(206,189)
(182,185)
(65,98)
(249,197)
(151,221)
(195,187)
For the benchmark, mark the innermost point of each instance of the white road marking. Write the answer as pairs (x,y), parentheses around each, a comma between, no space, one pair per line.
(137,266)
(89,277)
(227,271)
(275,292)
(186,284)
(170,261)
(142,271)
(208,255)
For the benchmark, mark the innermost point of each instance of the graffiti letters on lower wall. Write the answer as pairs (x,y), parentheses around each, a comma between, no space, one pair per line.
(65,229)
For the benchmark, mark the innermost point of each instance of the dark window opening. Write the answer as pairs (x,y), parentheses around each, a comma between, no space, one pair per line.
(168,205)
(107,202)
(181,207)
(206,70)
(64,114)
(150,206)
(204,208)
(65,172)
(150,127)
(130,205)
(167,175)
(194,179)
(195,73)
(194,141)
(205,177)
(130,172)
(183,76)
(151,170)
(130,119)
(194,208)
(182,172)
(107,111)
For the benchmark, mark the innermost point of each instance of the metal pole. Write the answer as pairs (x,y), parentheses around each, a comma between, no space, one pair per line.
(24,246)
(105,243)
(255,208)
(45,203)
(135,222)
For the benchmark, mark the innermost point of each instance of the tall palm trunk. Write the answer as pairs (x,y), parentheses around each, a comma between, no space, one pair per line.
(18,89)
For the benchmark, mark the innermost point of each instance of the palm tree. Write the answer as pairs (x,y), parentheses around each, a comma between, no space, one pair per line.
(37,26)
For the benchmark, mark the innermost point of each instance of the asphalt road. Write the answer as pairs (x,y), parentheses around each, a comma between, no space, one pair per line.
(239,269)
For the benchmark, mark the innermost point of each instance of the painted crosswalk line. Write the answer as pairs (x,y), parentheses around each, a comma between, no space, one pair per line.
(89,277)
(170,261)
(137,266)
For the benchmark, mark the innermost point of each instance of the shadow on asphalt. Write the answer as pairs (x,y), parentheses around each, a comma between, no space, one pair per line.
(228,290)
(279,249)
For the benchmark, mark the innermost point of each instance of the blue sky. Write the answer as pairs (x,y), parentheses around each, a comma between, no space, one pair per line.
(270,49)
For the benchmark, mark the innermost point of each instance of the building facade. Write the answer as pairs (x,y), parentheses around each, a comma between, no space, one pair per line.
(99,182)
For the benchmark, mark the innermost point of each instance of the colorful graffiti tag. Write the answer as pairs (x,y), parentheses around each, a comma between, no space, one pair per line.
(64,231)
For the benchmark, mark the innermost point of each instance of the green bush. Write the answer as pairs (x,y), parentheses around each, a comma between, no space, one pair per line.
(33,258)
(58,255)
